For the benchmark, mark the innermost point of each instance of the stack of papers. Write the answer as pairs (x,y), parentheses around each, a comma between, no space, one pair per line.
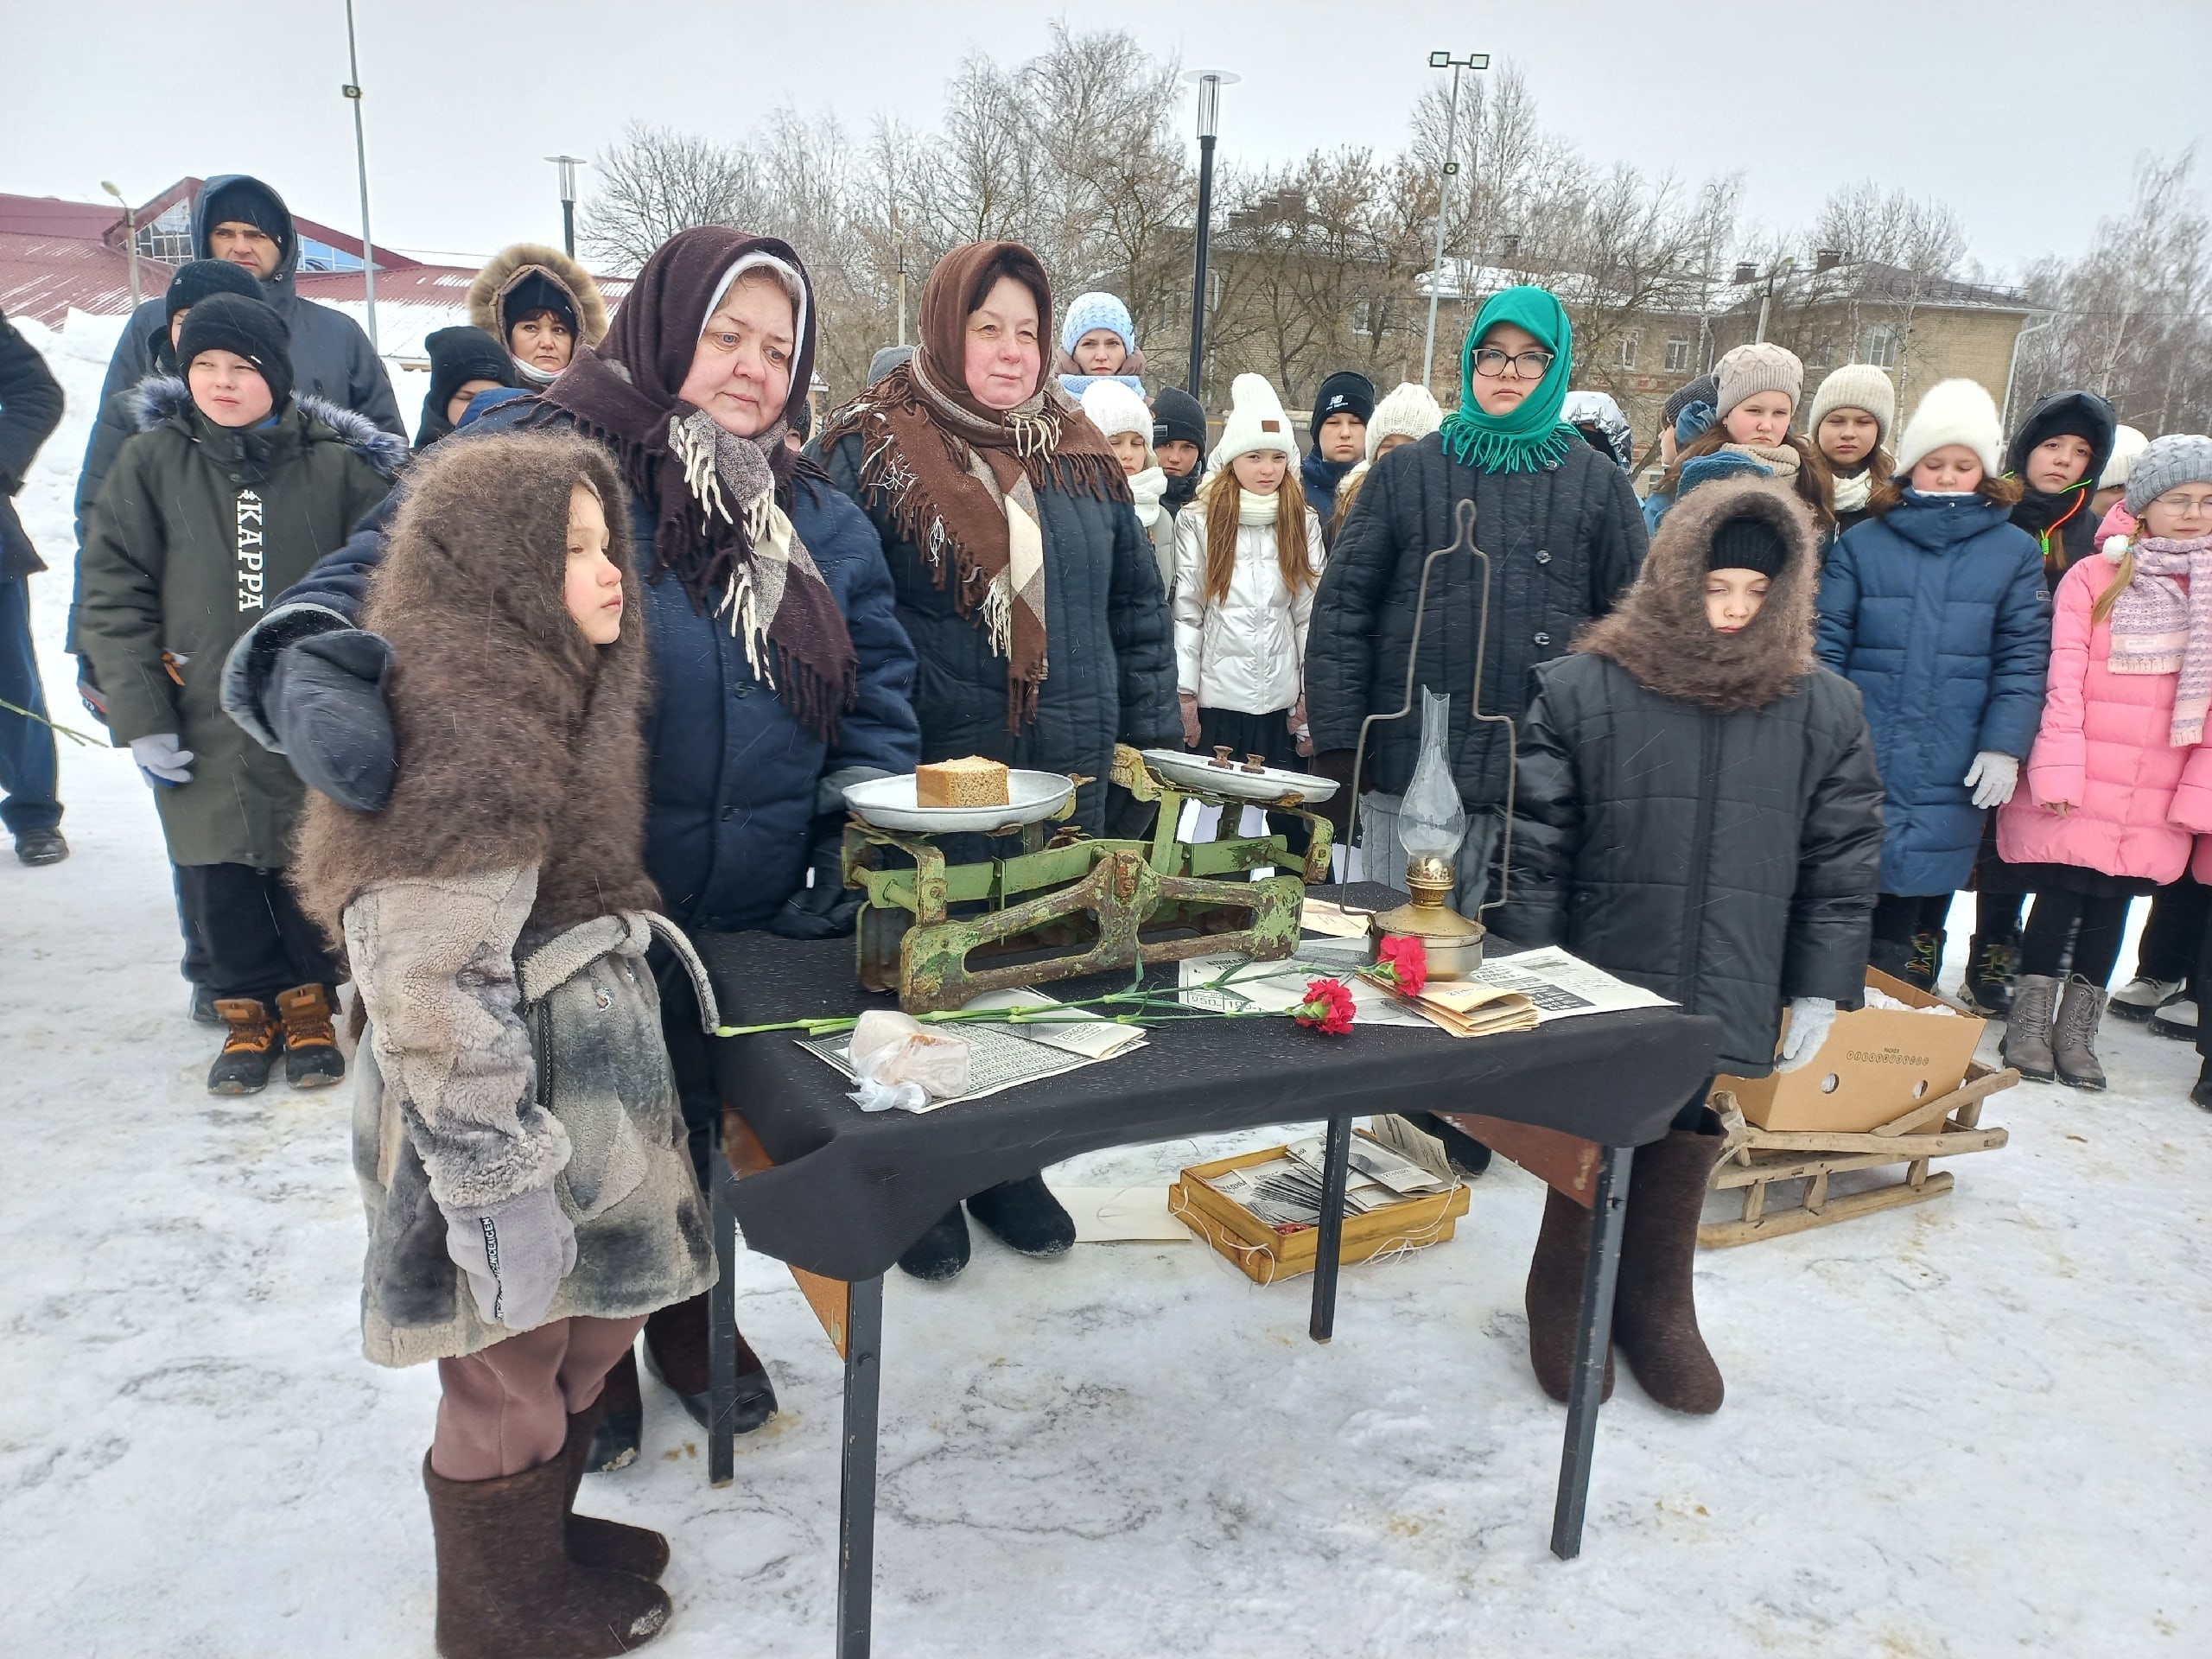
(1286,1193)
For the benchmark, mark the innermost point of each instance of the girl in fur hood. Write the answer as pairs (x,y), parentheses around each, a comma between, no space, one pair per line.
(1697,811)
(517,1131)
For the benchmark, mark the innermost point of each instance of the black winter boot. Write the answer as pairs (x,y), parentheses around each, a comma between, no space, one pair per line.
(678,1351)
(250,1048)
(1891,957)
(1655,1315)
(1926,960)
(1991,964)
(593,1541)
(1025,1216)
(940,1253)
(506,1588)
(1554,1297)
(2202,1094)
(1468,1156)
(201,1007)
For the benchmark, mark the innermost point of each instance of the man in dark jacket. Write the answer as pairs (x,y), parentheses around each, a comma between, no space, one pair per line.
(332,358)
(30,408)
(1563,537)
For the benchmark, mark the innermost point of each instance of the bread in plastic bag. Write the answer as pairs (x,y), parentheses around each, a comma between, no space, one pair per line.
(902,1064)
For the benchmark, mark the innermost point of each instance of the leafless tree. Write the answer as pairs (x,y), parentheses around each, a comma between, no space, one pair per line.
(654,182)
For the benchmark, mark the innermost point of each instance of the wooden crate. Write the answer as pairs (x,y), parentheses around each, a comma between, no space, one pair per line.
(1758,1159)
(1266,1255)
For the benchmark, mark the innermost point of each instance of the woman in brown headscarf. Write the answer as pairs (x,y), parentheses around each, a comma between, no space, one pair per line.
(1024,579)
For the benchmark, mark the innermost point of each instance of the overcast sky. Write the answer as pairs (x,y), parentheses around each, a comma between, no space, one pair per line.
(2027,117)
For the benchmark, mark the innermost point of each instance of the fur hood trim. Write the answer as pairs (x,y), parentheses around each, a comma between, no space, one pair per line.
(511,264)
(519,743)
(1659,634)
(160,398)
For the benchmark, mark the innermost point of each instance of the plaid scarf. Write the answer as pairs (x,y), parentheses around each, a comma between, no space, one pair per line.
(2162,624)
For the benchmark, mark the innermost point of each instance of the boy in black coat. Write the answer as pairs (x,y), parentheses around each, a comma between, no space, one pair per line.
(1697,810)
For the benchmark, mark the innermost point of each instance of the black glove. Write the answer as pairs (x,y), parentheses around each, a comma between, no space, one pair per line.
(324,702)
(826,910)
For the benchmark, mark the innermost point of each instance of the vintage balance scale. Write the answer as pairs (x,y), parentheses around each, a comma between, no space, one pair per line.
(1058,904)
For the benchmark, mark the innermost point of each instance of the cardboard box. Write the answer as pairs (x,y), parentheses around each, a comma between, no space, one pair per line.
(1265,1255)
(1877,1064)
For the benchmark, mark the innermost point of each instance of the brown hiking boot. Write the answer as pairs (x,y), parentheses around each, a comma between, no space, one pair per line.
(1655,1312)
(506,1588)
(250,1047)
(593,1541)
(311,1056)
(1554,1295)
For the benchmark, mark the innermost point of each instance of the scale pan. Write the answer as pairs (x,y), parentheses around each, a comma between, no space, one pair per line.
(888,803)
(1268,784)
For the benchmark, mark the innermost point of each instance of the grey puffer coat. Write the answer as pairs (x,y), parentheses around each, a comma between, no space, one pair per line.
(1564,543)
(498,1058)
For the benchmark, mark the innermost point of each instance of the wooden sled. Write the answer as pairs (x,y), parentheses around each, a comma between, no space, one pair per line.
(1757,1159)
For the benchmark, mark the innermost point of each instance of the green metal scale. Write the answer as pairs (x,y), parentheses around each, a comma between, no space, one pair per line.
(1060,904)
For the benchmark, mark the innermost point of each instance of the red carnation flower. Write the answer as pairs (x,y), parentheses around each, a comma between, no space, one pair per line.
(1327,1007)
(1403,961)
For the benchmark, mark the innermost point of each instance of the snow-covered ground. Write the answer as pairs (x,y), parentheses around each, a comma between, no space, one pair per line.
(1977,1426)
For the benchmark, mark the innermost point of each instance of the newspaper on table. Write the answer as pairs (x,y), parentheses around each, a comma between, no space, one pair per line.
(1561,986)
(1229,983)
(1002,1057)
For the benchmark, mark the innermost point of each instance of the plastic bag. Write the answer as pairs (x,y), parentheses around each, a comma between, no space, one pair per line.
(903,1064)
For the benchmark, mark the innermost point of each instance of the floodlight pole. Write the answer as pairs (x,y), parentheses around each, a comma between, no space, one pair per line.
(1441,61)
(1210,83)
(353,91)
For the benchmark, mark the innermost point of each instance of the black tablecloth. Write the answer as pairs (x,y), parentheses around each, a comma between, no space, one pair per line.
(853,1189)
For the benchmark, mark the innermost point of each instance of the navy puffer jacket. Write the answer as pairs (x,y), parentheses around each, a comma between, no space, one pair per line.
(734,782)
(1939,613)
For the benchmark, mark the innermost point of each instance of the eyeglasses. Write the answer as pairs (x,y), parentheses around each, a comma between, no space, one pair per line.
(1491,364)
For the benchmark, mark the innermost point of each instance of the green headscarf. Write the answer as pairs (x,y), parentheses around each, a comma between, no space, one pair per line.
(1531,437)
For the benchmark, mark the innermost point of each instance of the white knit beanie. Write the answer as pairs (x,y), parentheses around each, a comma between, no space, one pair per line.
(1255,421)
(1953,411)
(1114,408)
(1856,385)
(2127,442)
(1409,411)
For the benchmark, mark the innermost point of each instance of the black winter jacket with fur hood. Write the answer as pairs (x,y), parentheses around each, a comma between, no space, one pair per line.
(1696,812)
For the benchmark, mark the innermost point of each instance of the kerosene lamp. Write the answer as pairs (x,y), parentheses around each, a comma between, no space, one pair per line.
(1432,824)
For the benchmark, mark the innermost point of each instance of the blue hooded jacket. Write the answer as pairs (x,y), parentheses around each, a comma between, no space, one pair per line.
(1939,613)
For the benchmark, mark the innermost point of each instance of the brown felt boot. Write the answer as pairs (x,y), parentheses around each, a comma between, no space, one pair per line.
(1554,1295)
(311,1056)
(593,1541)
(1655,1314)
(506,1588)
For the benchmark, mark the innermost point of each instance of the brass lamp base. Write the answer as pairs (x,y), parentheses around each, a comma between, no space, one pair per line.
(1453,944)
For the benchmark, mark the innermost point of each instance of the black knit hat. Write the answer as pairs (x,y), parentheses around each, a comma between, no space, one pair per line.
(1747,544)
(458,355)
(1345,393)
(1177,417)
(1703,390)
(249,201)
(228,322)
(533,292)
(198,279)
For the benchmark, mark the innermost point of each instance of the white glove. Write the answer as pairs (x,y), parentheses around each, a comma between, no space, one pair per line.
(166,764)
(515,1252)
(1809,1020)
(1993,777)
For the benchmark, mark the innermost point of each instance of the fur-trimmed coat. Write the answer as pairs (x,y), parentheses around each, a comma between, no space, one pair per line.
(199,527)
(1698,813)
(496,913)
(510,265)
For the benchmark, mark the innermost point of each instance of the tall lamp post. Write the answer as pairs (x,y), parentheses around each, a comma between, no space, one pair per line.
(1444,61)
(130,231)
(568,164)
(353,91)
(1209,83)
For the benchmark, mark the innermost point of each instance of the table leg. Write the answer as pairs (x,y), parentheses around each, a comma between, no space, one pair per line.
(1335,1166)
(856,1499)
(721,1325)
(1586,1386)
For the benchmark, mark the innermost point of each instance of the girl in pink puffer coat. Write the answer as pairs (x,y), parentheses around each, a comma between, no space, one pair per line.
(2119,781)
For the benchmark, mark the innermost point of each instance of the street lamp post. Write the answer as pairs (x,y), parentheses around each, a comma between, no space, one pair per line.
(568,164)
(131,230)
(353,91)
(1766,299)
(1444,61)
(1209,83)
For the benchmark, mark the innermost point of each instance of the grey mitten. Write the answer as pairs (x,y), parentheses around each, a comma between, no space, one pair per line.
(515,1252)
(165,762)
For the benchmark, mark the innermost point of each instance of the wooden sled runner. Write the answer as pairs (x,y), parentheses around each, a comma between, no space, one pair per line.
(1757,1159)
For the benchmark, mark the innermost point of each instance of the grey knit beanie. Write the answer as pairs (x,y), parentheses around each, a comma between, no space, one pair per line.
(1749,369)
(1856,385)
(2179,457)
(1700,391)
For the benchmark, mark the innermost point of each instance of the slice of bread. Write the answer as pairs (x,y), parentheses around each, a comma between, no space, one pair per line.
(971,781)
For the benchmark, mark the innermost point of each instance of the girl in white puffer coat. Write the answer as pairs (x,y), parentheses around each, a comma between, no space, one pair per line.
(1247,558)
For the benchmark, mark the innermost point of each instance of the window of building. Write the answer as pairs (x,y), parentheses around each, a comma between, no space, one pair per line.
(320,256)
(1881,348)
(1363,317)
(1678,356)
(167,238)
(1630,341)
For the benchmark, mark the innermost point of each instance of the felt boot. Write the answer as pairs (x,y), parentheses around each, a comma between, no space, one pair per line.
(1655,1314)
(2074,1035)
(311,1056)
(593,1541)
(506,1588)
(678,1351)
(940,1253)
(2027,1029)
(1987,987)
(1553,1298)
(250,1045)
(1025,1216)
(622,1428)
